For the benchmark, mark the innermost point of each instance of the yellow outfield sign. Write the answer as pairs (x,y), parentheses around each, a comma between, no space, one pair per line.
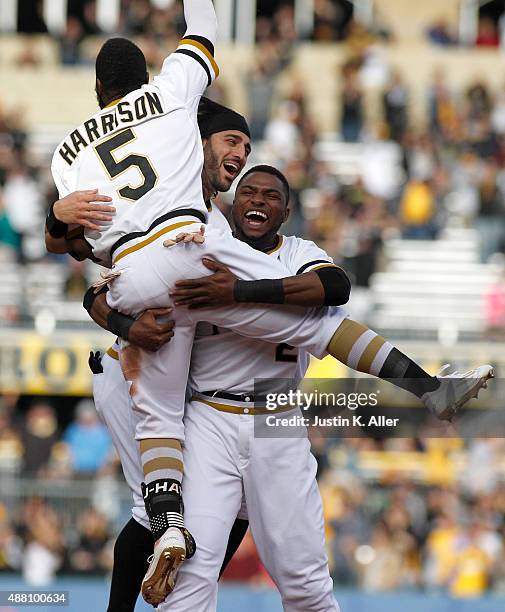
(54,365)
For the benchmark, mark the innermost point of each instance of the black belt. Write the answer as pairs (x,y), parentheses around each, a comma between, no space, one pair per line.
(243,397)
(181,212)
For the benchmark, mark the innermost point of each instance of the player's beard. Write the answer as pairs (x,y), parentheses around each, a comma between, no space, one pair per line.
(212,167)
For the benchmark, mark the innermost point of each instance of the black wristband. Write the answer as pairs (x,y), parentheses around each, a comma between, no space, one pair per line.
(119,324)
(90,297)
(56,229)
(267,291)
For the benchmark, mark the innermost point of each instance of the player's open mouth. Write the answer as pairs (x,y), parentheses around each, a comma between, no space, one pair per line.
(255,218)
(232,168)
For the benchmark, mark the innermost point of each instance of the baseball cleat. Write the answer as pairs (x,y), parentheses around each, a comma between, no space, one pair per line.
(455,390)
(164,563)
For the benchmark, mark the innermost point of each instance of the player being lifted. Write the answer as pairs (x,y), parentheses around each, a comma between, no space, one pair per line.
(144,150)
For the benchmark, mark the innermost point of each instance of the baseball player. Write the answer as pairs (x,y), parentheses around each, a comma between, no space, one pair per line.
(223,368)
(143,149)
(223,131)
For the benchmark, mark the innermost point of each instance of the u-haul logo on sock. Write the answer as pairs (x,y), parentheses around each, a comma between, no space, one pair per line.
(163,487)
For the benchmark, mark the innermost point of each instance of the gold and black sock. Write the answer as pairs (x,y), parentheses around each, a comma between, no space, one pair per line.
(363,350)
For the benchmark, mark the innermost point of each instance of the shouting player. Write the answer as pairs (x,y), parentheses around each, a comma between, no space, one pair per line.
(223,369)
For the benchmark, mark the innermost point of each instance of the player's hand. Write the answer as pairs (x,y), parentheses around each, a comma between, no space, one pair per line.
(186,237)
(209,291)
(82,208)
(152,329)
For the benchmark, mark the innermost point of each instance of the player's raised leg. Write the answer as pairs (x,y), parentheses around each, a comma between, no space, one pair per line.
(364,350)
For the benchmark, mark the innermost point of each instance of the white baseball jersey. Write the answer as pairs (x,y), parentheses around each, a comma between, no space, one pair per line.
(144,151)
(240,360)
(216,219)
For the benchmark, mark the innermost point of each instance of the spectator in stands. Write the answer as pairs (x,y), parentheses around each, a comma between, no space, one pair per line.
(89,556)
(490,221)
(364,232)
(24,206)
(284,24)
(439,33)
(498,113)
(298,179)
(471,564)
(420,155)
(395,105)
(43,553)
(487,34)
(70,43)
(331,19)
(135,15)
(76,283)
(282,134)
(259,86)
(10,242)
(495,309)
(443,114)
(88,440)
(11,546)
(11,447)
(38,434)
(417,210)
(352,118)
(29,55)
(384,568)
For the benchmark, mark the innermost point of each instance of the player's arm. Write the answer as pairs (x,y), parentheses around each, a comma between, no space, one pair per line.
(324,285)
(81,209)
(148,331)
(188,71)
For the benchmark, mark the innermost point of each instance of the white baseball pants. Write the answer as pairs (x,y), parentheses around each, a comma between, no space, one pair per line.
(223,461)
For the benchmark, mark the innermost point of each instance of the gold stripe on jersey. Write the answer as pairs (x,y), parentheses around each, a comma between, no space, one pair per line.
(151,239)
(112,353)
(240,409)
(204,50)
(277,247)
(328,265)
(113,103)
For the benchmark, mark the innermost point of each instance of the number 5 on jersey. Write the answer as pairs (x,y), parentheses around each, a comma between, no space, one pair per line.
(115,167)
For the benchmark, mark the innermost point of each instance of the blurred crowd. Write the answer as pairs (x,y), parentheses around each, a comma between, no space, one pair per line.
(333,21)
(438,526)
(392,532)
(444,534)
(72,532)
(406,179)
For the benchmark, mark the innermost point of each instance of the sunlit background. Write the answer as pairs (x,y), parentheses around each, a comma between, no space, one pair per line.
(388,118)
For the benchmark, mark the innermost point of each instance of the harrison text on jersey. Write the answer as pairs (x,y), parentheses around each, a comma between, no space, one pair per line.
(124,113)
